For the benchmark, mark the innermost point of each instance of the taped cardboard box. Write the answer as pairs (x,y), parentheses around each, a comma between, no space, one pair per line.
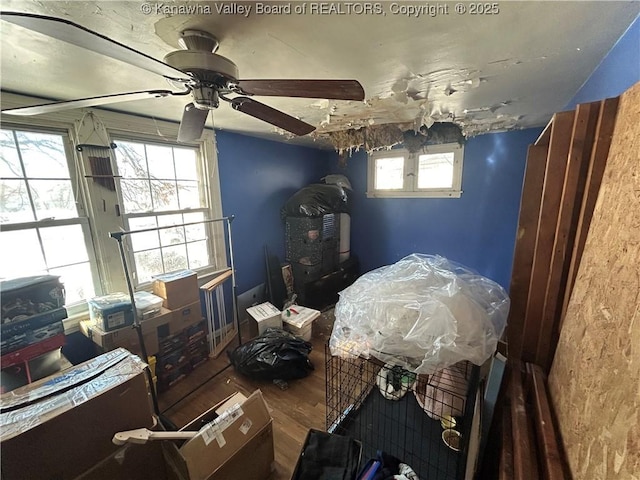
(177,288)
(237,445)
(62,425)
(186,316)
(127,337)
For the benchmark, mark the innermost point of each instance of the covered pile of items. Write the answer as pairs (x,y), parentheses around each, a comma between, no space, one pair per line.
(318,231)
(424,313)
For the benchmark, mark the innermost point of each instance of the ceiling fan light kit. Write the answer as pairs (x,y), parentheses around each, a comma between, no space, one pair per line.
(196,70)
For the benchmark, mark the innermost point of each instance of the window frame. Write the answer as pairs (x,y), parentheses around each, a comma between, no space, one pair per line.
(82,219)
(410,182)
(205,194)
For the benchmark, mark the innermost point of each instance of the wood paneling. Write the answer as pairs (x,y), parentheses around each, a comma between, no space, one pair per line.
(555,212)
(525,466)
(552,460)
(596,371)
(525,245)
(572,189)
(600,151)
(559,144)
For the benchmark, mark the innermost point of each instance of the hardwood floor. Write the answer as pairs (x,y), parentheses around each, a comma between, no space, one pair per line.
(294,410)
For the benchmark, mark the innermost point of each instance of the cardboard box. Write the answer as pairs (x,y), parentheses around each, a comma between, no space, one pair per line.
(127,337)
(265,315)
(299,321)
(237,445)
(130,462)
(186,316)
(177,288)
(62,425)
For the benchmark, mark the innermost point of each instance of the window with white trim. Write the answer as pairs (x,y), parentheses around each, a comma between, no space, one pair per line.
(43,228)
(434,171)
(161,185)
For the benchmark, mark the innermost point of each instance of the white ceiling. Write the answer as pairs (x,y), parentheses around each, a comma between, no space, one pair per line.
(509,70)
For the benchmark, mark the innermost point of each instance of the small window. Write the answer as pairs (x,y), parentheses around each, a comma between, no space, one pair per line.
(435,171)
(161,185)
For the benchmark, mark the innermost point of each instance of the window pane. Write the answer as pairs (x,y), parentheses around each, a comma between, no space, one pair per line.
(64,245)
(148,263)
(160,161)
(77,280)
(195,232)
(43,155)
(175,258)
(131,160)
(198,254)
(147,240)
(186,163)
(9,161)
(136,196)
(171,236)
(164,194)
(435,170)
(21,254)
(389,173)
(14,202)
(53,199)
(189,195)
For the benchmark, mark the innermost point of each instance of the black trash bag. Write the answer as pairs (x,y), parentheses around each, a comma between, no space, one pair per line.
(317,200)
(275,354)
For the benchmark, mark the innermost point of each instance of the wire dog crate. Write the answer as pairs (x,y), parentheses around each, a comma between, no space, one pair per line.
(405,420)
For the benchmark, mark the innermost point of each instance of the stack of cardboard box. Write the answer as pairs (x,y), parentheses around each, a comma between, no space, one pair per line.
(176,335)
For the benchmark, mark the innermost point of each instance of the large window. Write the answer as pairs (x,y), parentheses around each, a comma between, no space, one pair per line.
(435,171)
(42,230)
(161,186)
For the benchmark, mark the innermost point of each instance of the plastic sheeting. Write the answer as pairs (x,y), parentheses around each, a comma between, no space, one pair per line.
(423,313)
(317,200)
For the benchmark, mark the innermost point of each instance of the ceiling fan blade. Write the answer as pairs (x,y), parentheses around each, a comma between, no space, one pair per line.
(330,89)
(271,115)
(70,32)
(192,124)
(87,102)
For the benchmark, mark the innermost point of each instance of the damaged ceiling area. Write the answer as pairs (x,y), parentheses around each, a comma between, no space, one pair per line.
(466,71)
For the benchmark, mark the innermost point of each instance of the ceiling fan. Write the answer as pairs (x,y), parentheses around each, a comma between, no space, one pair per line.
(197,70)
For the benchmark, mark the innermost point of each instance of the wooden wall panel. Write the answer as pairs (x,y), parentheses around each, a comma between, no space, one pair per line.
(600,152)
(572,190)
(525,245)
(595,378)
(560,141)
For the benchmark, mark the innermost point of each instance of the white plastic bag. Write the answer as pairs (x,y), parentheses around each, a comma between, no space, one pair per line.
(423,313)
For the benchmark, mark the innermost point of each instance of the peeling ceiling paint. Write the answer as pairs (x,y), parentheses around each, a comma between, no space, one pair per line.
(483,73)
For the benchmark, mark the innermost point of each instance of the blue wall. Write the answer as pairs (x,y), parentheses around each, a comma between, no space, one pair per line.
(477,230)
(256,178)
(618,70)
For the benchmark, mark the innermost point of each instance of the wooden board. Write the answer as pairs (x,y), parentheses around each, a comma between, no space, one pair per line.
(552,465)
(595,377)
(525,246)
(557,156)
(600,152)
(582,137)
(525,466)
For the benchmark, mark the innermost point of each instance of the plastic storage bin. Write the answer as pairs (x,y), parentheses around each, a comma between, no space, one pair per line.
(111,311)
(147,304)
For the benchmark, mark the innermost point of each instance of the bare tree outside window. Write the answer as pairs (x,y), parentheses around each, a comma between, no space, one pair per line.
(41,229)
(160,186)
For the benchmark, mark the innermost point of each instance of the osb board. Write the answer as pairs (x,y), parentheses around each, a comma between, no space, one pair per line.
(595,378)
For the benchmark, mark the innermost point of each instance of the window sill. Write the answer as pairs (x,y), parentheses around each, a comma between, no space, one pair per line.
(421,194)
